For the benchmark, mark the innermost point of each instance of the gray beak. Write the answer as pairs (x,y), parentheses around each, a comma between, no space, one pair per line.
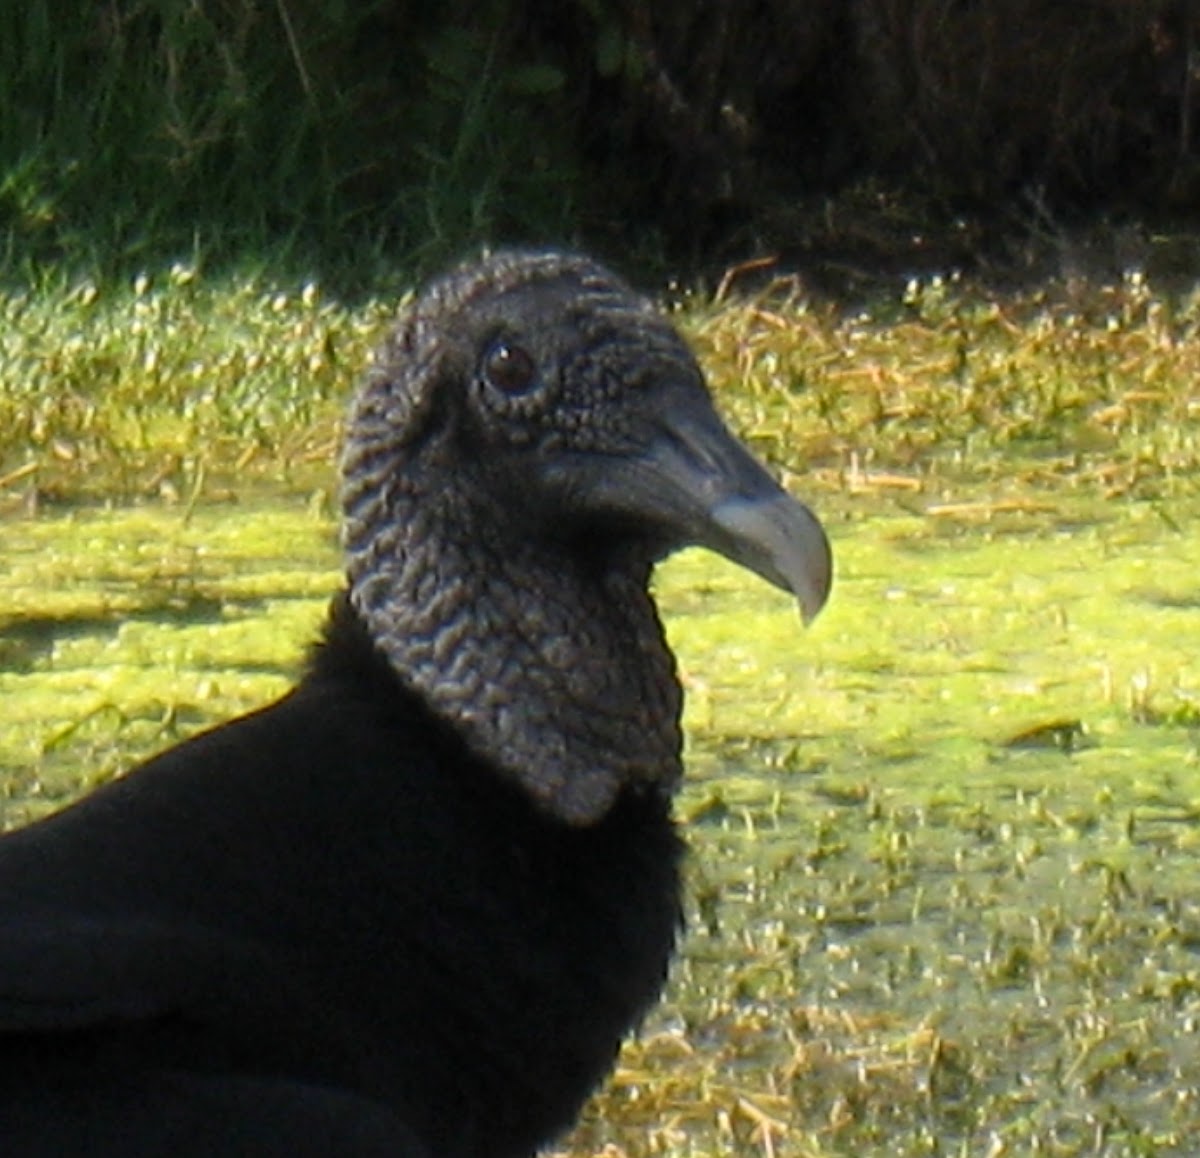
(699,486)
(781,540)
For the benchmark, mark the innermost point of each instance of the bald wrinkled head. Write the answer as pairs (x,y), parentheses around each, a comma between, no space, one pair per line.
(532,437)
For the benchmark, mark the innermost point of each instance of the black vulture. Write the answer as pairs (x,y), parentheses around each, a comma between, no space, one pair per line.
(412,908)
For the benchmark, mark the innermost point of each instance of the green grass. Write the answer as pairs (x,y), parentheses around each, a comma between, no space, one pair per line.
(941,897)
(174,386)
(185,386)
(337,137)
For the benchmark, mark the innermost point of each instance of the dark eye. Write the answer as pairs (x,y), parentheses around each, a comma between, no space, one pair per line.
(508,368)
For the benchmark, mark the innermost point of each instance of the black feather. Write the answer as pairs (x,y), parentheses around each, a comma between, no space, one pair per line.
(328,895)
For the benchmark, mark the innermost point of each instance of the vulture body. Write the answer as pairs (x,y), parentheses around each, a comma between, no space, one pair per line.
(411,908)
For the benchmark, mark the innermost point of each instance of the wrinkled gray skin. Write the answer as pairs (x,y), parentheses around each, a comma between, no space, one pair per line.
(532,438)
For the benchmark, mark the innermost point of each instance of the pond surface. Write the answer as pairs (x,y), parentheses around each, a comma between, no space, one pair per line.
(943,893)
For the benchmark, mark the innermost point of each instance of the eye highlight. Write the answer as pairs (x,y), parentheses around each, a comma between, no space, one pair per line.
(509,368)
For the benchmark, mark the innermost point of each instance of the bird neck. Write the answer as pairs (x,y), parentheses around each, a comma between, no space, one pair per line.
(551,662)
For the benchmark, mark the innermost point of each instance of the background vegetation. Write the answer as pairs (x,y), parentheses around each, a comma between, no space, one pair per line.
(188,387)
(357,137)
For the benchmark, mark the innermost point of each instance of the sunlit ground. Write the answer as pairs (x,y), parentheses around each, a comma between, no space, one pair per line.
(945,842)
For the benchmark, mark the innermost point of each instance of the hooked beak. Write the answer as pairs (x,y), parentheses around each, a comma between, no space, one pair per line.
(698,486)
(781,540)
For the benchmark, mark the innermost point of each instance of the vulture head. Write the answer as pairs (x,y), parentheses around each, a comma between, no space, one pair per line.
(532,438)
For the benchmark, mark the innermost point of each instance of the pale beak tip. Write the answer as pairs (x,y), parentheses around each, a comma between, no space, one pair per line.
(783,541)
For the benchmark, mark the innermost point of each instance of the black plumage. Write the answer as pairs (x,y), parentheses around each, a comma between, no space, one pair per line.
(411,908)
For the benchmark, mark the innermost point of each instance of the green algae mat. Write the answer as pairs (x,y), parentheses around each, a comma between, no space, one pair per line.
(942,896)
(943,891)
